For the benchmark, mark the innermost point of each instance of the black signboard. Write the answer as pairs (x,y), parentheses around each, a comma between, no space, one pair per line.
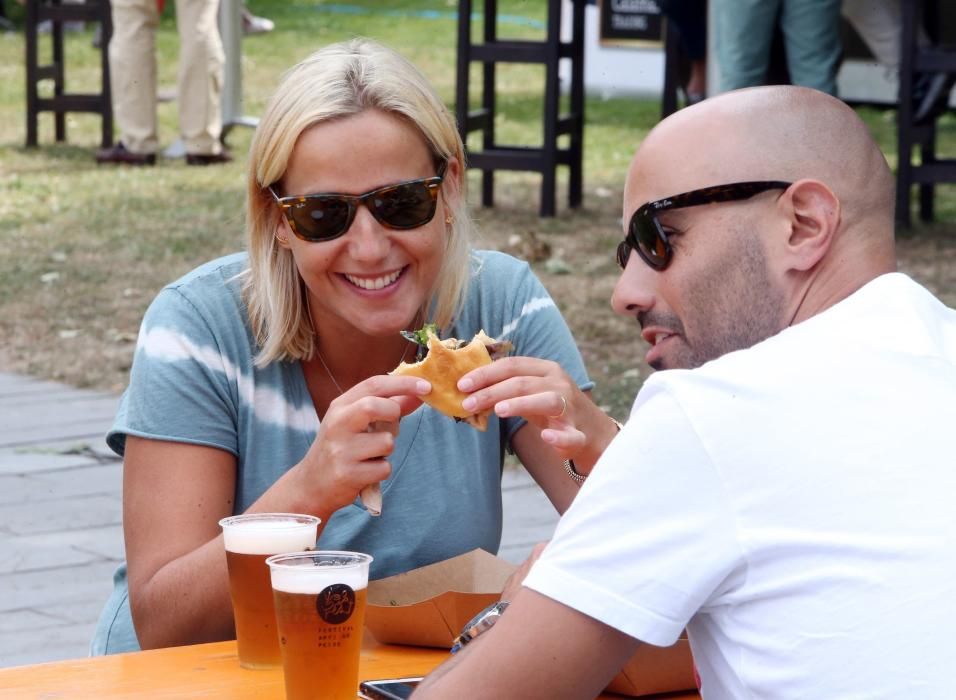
(630,20)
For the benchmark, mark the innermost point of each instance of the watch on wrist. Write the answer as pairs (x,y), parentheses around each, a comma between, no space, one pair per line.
(482,622)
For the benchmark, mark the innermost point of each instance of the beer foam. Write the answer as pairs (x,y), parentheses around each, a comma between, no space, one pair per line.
(314,579)
(269,536)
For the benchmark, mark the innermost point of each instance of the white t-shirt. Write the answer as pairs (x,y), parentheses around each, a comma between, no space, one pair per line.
(793,505)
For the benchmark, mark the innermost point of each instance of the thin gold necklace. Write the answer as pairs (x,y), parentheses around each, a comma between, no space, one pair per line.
(318,353)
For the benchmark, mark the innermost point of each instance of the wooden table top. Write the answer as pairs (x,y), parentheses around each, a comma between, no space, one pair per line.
(198,671)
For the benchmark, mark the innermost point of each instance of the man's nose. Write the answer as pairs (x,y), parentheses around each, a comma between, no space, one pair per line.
(635,288)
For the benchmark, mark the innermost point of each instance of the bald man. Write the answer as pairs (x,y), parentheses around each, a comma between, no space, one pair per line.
(784,489)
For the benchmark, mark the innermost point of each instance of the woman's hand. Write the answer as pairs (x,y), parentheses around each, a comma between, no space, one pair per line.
(542,393)
(355,438)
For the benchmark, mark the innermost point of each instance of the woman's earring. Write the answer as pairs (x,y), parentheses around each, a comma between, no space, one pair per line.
(449,219)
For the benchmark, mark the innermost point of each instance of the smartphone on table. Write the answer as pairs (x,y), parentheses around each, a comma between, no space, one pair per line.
(388,689)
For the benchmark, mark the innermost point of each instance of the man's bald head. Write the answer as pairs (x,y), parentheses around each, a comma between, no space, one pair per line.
(739,271)
(768,133)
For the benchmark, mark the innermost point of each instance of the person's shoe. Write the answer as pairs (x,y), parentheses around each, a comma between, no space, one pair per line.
(936,98)
(208,158)
(251,24)
(120,155)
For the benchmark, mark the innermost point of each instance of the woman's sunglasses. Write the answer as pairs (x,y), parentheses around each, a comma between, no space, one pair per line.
(323,217)
(646,235)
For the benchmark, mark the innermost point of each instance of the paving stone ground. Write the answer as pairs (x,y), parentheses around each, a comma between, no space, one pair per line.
(61,531)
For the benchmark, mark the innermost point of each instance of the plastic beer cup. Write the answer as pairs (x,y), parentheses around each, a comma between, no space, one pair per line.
(320,612)
(249,540)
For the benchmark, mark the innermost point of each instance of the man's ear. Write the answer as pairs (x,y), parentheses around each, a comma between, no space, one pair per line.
(814,217)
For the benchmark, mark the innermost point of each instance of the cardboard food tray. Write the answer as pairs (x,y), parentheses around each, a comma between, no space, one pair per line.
(430,606)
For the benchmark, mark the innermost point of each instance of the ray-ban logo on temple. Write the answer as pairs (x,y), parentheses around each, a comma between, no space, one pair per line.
(646,235)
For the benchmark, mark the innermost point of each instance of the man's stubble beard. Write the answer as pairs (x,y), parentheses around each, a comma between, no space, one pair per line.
(733,305)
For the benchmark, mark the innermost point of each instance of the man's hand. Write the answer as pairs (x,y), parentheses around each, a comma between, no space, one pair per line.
(538,649)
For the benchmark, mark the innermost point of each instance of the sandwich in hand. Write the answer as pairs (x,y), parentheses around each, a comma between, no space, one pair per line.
(446,362)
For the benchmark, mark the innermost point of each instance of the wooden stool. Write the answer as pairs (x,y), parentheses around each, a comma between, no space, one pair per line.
(549,52)
(915,59)
(62,102)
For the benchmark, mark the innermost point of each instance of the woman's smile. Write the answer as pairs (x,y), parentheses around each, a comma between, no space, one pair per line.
(375,282)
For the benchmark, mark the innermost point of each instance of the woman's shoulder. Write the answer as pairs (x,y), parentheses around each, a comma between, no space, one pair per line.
(208,295)
(502,288)
(498,276)
(494,263)
(496,280)
(213,272)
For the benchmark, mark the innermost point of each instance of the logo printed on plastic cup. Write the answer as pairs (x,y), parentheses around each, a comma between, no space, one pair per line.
(336,603)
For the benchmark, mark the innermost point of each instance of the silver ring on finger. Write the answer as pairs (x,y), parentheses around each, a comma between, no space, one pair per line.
(564,407)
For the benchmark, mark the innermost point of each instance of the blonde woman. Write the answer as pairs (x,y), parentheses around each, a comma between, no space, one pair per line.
(260,381)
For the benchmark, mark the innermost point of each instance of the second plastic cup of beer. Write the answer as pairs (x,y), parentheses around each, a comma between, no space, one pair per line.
(250,539)
(320,612)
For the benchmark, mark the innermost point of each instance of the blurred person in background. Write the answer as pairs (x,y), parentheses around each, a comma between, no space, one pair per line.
(253,24)
(879,23)
(132,55)
(811,37)
(690,19)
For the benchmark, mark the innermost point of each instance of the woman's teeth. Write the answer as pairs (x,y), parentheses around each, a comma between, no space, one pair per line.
(373,283)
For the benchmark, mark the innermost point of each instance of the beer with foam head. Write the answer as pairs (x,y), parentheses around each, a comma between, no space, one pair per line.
(250,540)
(320,612)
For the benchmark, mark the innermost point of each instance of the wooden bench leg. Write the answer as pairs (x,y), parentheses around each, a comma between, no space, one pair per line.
(30,30)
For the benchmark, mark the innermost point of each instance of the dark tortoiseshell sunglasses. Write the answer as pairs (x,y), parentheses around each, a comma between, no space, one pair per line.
(326,216)
(646,235)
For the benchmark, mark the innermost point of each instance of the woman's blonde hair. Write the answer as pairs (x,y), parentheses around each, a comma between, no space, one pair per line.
(340,80)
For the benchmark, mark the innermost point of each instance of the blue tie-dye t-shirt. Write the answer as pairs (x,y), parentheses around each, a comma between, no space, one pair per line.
(194,380)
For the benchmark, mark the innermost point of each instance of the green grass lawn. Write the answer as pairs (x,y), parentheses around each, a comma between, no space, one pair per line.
(84,248)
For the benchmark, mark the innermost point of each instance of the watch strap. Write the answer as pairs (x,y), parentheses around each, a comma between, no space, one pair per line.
(482,622)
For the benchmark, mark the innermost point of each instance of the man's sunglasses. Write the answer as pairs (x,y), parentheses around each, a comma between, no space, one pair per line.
(646,235)
(323,217)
